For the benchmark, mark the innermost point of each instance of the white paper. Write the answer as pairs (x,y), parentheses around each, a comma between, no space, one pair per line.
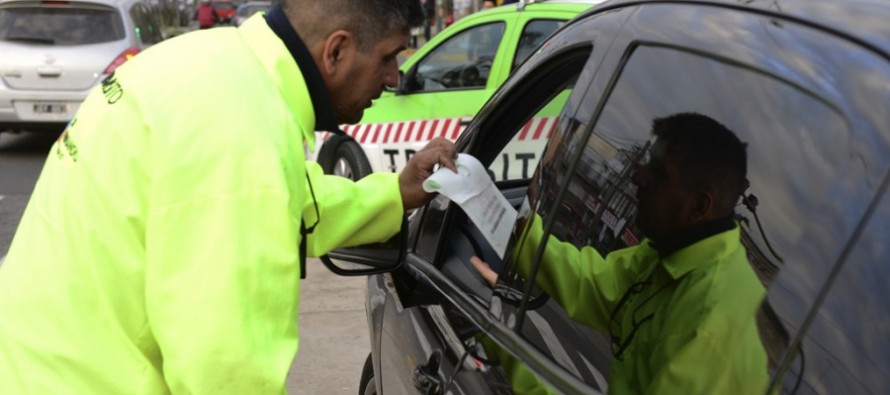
(474,191)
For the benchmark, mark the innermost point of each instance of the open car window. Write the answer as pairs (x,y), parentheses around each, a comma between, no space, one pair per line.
(522,131)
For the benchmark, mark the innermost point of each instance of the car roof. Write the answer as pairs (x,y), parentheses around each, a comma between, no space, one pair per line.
(532,6)
(863,21)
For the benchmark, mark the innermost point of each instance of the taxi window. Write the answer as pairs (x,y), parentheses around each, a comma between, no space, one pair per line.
(463,61)
(533,35)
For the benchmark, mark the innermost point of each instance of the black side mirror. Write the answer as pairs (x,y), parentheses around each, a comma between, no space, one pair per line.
(371,258)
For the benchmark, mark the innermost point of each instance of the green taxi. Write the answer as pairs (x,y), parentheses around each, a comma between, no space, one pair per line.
(443,85)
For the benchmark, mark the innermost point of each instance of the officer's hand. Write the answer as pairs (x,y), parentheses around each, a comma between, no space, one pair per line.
(489,275)
(438,151)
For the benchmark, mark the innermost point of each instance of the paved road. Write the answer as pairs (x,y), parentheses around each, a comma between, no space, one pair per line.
(333,329)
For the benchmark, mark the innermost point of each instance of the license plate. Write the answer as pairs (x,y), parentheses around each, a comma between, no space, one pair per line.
(50,108)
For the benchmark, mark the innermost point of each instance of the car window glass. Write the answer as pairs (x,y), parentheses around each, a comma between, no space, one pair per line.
(800,154)
(464,61)
(847,350)
(61,25)
(520,157)
(533,34)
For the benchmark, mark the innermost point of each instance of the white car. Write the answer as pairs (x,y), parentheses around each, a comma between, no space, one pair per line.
(55,52)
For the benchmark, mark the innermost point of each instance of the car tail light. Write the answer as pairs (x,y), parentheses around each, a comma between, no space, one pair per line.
(123,57)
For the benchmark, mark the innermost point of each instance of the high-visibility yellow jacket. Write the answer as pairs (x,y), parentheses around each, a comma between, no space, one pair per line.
(159,252)
(689,325)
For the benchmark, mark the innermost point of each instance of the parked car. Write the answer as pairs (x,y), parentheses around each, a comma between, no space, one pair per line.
(247,10)
(444,84)
(805,83)
(225,10)
(55,52)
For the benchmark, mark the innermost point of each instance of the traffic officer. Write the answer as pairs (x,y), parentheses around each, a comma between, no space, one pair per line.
(160,250)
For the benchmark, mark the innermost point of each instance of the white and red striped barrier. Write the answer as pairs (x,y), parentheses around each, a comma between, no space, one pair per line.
(428,129)
(388,146)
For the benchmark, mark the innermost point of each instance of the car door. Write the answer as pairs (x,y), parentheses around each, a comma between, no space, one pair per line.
(799,96)
(538,101)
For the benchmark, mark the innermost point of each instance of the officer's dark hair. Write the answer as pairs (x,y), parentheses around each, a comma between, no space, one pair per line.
(708,156)
(368,20)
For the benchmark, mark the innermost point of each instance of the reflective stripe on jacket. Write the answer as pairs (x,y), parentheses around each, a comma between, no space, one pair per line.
(159,252)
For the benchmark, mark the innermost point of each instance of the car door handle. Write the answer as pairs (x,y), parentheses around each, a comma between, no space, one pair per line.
(426,377)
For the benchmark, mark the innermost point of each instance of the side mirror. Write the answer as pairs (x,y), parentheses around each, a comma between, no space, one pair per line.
(371,258)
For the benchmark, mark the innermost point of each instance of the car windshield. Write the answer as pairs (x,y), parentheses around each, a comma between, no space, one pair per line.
(60,25)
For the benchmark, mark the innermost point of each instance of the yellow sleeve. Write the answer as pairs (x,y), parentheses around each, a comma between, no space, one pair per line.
(584,283)
(351,213)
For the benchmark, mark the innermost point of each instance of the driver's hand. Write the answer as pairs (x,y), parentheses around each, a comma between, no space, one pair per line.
(489,275)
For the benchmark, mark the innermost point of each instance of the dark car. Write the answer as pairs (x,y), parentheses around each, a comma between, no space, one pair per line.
(806,84)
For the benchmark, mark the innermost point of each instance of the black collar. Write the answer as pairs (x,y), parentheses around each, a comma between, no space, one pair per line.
(693,235)
(321,101)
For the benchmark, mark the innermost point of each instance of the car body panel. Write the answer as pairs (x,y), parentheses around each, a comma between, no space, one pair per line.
(40,69)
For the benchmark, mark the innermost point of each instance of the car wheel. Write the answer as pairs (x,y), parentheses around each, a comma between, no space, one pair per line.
(367,385)
(342,156)
(350,162)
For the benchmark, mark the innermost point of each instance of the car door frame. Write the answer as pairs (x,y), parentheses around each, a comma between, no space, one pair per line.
(422,260)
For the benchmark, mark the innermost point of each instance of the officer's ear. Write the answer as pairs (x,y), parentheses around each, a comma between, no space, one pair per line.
(337,50)
(702,206)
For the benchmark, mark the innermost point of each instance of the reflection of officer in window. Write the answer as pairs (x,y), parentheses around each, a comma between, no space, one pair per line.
(680,307)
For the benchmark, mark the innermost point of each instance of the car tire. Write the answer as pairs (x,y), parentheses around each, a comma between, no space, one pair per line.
(342,156)
(367,385)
